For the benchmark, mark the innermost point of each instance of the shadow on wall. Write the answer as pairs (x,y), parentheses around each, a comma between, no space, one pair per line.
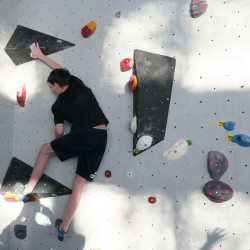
(40,231)
(213,238)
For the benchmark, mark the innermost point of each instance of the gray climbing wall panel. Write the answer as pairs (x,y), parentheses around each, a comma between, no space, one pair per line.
(211,83)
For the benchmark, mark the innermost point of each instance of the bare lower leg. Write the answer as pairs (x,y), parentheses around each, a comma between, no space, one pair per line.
(73,202)
(43,157)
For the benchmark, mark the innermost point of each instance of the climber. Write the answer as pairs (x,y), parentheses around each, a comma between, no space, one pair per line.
(86,140)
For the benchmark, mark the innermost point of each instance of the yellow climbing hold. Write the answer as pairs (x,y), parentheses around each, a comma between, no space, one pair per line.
(229,137)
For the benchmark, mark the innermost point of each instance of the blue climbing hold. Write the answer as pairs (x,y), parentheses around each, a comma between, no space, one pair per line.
(240,139)
(229,125)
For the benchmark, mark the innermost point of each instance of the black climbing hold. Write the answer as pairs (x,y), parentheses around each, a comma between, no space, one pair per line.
(217,164)
(20,231)
(218,191)
(18,47)
(18,175)
(155,74)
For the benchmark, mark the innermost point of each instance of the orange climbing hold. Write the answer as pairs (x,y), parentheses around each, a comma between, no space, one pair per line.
(11,197)
(21,96)
(88,29)
(133,83)
(126,64)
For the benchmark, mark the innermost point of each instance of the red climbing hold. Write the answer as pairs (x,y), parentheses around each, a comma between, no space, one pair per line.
(151,199)
(108,173)
(88,29)
(21,96)
(126,64)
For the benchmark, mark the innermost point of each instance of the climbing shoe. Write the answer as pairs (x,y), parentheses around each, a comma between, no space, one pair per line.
(31,197)
(60,231)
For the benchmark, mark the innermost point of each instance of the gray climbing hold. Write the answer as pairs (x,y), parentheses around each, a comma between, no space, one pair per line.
(20,231)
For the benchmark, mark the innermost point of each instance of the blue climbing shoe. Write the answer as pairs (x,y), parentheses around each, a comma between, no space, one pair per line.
(60,231)
(31,197)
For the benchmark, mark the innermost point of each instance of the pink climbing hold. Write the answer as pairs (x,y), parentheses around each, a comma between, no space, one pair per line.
(126,64)
(198,8)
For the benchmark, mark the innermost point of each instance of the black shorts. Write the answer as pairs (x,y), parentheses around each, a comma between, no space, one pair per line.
(86,144)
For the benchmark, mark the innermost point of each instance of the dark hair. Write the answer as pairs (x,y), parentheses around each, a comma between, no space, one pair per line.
(60,76)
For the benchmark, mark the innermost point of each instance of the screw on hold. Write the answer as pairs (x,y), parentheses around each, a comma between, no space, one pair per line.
(152,199)
(118,14)
(108,173)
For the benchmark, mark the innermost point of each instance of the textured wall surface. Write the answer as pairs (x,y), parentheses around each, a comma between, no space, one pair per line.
(212,82)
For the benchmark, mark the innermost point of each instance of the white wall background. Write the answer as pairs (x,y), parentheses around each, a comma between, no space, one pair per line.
(211,83)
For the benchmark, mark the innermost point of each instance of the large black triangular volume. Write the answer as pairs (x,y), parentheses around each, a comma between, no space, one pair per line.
(18,175)
(155,74)
(18,47)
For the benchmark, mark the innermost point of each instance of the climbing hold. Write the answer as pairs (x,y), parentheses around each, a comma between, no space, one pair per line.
(218,191)
(21,96)
(19,52)
(133,125)
(144,142)
(217,164)
(118,14)
(240,139)
(11,197)
(126,64)
(88,29)
(229,125)
(198,7)
(20,231)
(108,173)
(133,83)
(178,150)
(152,199)
(16,178)
(130,174)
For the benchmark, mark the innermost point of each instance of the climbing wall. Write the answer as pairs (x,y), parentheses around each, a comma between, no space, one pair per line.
(148,202)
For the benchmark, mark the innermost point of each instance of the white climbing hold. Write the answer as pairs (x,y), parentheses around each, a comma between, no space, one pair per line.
(144,142)
(133,125)
(178,150)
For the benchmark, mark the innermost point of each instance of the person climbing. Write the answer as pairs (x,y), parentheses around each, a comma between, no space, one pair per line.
(86,140)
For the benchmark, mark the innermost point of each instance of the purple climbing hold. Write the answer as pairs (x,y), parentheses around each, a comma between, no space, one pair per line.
(197,8)
(218,191)
(217,164)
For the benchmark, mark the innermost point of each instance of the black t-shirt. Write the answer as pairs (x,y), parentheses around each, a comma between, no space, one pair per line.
(78,106)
